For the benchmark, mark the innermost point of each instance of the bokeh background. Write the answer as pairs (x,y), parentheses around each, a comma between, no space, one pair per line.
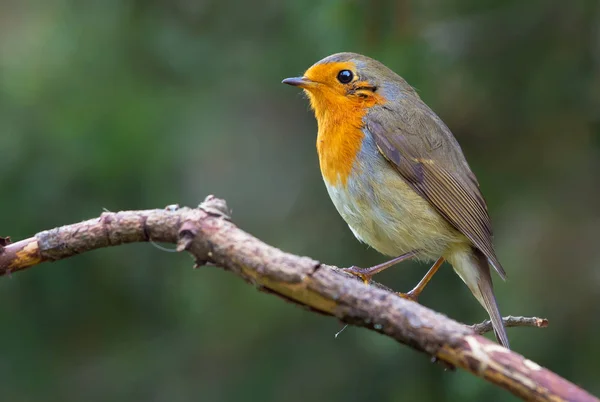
(129,104)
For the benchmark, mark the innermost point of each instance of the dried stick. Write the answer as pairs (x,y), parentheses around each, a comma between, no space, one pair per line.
(208,235)
(511,321)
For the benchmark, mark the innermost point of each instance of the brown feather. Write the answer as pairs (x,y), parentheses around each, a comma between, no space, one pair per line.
(435,167)
(488,300)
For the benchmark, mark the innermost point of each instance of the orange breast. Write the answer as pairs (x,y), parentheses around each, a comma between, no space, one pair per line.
(338,143)
(340,117)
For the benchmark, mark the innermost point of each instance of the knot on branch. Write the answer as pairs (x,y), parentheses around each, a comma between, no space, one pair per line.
(216,207)
(4,241)
(187,234)
(191,235)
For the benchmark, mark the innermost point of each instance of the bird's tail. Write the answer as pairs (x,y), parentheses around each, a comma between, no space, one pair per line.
(474,270)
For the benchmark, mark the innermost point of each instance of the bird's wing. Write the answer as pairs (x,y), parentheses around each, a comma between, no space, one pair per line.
(426,154)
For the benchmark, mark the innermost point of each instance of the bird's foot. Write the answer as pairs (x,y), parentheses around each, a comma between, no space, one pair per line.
(412,295)
(362,273)
(366,274)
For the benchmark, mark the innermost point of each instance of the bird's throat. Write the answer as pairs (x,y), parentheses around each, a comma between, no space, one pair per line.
(339,141)
(341,122)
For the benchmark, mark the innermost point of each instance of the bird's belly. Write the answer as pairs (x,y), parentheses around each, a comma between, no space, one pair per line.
(383,211)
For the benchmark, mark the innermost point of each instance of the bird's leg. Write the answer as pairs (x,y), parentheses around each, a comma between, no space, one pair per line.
(414,294)
(367,273)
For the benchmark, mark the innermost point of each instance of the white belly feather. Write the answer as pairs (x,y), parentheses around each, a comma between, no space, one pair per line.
(384,212)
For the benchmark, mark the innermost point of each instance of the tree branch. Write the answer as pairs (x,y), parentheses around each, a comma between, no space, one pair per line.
(208,235)
(511,321)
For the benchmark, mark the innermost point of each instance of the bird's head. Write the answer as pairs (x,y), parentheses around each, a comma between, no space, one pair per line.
(349,80)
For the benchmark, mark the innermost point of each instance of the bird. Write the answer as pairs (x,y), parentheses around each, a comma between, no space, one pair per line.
(398,177)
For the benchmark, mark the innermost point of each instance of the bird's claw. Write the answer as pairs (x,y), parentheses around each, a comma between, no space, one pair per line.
(357,271)
(414,296)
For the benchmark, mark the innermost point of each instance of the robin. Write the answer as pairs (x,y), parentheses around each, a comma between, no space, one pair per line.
(398,177)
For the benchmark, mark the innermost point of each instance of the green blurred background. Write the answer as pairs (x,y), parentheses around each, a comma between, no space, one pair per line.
(130,104)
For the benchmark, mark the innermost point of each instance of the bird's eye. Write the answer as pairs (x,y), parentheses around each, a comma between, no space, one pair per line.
(345,76)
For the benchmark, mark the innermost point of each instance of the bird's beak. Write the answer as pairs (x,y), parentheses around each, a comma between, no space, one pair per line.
(301,82)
